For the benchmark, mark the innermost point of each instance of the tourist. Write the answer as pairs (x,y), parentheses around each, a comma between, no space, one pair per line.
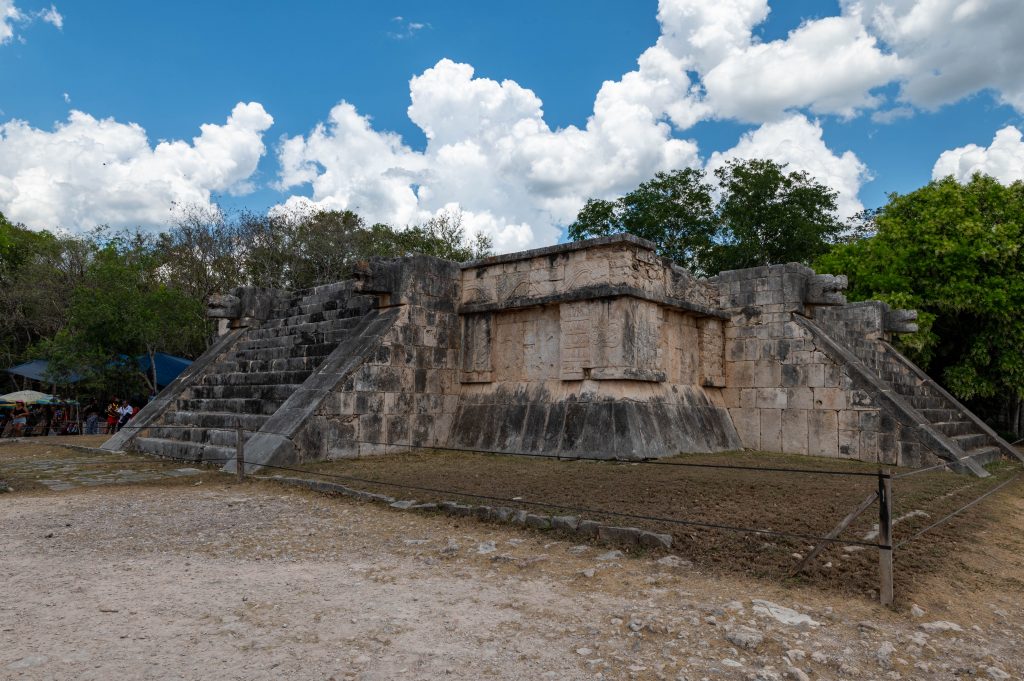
(125,413)
(19,419)
(112,415)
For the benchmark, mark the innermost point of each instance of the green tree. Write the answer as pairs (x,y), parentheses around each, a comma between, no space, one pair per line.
(675,210)
(768,216)
(120,310)
(764,215)
(954,252)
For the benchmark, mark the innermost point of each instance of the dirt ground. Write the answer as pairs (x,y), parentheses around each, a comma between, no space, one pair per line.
(795,503)
(199,577)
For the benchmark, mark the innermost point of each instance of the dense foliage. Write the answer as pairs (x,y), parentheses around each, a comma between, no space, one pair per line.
(954,252)
(91,303)
(763,215)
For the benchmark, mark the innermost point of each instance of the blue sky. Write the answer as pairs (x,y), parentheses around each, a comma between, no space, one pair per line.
(169,68)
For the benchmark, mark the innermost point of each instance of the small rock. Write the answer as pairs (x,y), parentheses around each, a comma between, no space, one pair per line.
(28,662)
(610,555)
(797,674)
(589,572)
(674,562)
(996,673)
(819,657)
(727,662)
(795,655)
(486,547)
(450,549)
(941,625)
(583,651)
(916,610)
(636,625)
(884,654)
(579,549)
(782,614)
(744,637)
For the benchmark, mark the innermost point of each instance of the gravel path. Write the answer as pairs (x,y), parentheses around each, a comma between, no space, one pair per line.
(255,581)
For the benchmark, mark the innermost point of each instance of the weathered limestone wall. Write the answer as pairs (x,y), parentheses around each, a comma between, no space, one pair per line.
(405,393)
(595,349)
(599,349)
(785,391)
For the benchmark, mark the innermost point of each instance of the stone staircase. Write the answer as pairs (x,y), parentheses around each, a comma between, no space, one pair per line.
(248,383)
(955,433)
(945,414)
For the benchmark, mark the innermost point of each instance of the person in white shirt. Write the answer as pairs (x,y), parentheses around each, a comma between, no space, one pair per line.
(124,413)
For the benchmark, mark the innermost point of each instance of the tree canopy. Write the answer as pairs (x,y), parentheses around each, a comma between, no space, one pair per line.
(954,252)
(90,303)
(763,215)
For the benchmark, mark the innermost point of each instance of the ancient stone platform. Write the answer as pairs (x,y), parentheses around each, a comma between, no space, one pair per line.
(596,349)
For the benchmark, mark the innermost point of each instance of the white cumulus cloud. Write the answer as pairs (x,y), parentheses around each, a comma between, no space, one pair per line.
(491,154)
(9,15)
(798,143)
(89,171)
(1003,159)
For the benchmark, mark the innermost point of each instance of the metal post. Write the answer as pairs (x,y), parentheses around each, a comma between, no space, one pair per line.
(885,592)
(239,451)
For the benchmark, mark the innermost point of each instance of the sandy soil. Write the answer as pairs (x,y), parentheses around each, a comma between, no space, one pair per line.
(204,578)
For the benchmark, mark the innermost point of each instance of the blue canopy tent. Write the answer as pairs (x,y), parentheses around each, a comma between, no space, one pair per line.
(36,371)
(167,369)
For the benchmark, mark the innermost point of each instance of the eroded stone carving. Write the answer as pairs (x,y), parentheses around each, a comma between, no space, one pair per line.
(901,321)
(826,289)
(223,306)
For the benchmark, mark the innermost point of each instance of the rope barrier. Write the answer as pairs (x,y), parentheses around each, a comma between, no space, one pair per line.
(956,512)
(945,464)
(561,507)
(647,461)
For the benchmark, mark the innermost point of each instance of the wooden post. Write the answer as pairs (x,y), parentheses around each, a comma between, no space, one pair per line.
(885,594)
(836,531)
(239,451)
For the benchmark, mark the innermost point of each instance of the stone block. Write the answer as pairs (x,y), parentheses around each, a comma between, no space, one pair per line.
(771,430)
(565,523)
(822,433)
(654,540)
(772,398)
(849,444)
(588,528)
(794,431)
(830,399)
(800,398)
(622,536)
(748,426)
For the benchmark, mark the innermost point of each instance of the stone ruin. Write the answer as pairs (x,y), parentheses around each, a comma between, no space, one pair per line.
(598,349)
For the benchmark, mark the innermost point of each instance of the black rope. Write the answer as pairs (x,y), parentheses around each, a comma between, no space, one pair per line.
(574,509)
(944,464)
(648,461)
(956,512)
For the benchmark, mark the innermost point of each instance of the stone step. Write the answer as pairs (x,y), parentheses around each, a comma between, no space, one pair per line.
(937,415)
(320,350)
(312,306)
(310,328)
(256,378)
(186,451)
(233,405)
(971,441)
(272,393)
(215,419)
(927,402)
(312,318)
(298,364)
(985,455)
(951,428)
(219,437)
